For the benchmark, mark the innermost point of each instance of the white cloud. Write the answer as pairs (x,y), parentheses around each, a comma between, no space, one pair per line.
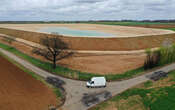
(86,9)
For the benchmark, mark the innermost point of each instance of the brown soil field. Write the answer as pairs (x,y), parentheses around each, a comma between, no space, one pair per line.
(100,44)
(100,64)
(104,64)
(20,91)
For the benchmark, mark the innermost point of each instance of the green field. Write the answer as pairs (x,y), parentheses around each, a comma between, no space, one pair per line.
(131,23)
(150,95)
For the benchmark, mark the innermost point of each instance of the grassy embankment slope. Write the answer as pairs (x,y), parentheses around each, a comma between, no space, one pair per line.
(147,96)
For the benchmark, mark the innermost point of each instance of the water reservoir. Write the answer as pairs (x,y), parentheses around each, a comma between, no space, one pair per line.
(75,33)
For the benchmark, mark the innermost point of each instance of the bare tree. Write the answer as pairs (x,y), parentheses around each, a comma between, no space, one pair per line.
(56,49)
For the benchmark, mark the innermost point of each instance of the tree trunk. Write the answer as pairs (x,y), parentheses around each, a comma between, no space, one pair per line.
(54,61)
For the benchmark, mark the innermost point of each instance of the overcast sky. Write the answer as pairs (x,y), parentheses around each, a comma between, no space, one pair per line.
(86,9)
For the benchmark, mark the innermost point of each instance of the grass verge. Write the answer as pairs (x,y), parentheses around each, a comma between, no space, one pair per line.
(147,96)
(69,73)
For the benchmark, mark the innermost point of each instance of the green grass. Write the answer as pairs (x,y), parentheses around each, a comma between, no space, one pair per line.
(35,76)
(129,23)
(148,84)
(158,98)
(173,29)
(57,92)
(69,73)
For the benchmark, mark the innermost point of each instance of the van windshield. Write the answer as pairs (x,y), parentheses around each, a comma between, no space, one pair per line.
(91,82)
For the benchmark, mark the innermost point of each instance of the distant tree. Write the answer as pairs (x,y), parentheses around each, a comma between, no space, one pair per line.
(56,49)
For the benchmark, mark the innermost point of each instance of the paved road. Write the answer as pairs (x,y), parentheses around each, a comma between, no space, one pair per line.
(76,89)
(32,44)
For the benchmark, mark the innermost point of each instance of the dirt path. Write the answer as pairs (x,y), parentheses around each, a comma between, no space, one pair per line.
(77,89)
(20,91)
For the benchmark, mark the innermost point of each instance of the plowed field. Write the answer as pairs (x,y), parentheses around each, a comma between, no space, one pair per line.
(20,91)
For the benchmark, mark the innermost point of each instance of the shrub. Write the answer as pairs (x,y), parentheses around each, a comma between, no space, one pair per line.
(165,55)
(152,59)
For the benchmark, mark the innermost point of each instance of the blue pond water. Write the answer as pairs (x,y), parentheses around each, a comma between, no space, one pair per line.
(73,32)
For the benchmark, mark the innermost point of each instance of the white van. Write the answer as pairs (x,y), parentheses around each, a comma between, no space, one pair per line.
(96,82)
